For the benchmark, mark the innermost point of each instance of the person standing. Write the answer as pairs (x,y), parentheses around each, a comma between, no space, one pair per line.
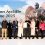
(16,22)
(14,29)
(4,28)
(27,30)
(20,29)
(37,27)
(32,25)
(41,27)
(9,29)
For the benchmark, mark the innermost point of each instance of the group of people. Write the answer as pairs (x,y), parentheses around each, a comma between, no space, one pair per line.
(20,29)
(9,28)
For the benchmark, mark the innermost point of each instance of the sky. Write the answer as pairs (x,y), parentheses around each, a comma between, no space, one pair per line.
(15,4)
(18,4)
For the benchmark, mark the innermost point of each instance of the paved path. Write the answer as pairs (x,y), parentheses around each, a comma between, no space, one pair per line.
(22,41)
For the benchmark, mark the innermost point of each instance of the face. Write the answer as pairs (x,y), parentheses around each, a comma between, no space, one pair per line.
(4,19)
(32,19)
(21,21)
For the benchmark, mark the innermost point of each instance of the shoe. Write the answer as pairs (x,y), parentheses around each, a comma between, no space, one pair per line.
(15,37)
(29,37)
(25,37)
(5,38)
(37,37)
(33,38)
(2,38)
(9,38)
(20,37)
(41,37)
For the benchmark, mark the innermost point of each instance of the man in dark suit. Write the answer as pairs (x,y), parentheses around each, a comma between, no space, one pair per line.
(9,29)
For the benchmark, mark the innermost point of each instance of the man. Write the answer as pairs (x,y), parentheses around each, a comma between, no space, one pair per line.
(37,27)
(4,28)
(15,28)
(9,29)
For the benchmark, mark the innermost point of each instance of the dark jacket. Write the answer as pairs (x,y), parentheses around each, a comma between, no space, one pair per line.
(9,29)
(4,24)
(14,25)
(37,24)
(10,25)
(28,23)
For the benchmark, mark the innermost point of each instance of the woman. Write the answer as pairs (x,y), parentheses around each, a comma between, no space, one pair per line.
(14,29)
(41,27)
(32,25)
(20,29)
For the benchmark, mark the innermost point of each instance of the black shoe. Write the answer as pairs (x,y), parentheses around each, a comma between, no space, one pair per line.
(37,37)
(15,38)
(41,37)
(9,37)
(32,37)
(29,37)
(25,37)
(20,37)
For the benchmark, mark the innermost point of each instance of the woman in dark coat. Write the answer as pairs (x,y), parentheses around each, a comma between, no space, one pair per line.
(14,29)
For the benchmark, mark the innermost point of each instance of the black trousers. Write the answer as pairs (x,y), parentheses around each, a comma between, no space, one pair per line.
(15,32)
(36,32)
(10,33)
(27,32)
(41,33)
